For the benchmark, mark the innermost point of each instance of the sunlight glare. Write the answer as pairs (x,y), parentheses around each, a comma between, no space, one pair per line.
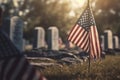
(77,3)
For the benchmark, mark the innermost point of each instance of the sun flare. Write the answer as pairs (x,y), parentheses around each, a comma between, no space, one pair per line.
(78,3)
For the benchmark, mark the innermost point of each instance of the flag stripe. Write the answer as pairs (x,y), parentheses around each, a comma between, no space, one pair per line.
(80,37)
(26,74)
(76,33)
(85,43)
(93,41)
(7,67)
(21,73)
(18,69)
(12,68)
(83,37)
(32,74)
(72,32)
(98,43)
(87,48)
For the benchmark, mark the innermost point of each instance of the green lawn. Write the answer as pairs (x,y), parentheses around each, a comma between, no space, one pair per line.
(107,69)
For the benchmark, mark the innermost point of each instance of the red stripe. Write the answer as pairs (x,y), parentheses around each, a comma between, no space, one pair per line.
(23,70)
(95,42)
(79,36)
(98,43)
(85,43)
(72,32)
(12,68)
(76,34)
(83,37)
(91,47)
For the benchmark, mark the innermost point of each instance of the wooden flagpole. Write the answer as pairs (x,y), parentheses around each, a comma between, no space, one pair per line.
(88,4)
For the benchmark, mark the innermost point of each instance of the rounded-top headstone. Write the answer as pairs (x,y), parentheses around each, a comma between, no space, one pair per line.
(39,37)
(16,31)
(53,38)
(108,39)
(116,42)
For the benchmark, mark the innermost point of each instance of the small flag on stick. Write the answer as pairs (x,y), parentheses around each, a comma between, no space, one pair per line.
(85,35)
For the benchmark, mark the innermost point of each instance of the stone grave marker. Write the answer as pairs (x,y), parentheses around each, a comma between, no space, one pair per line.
(16,32)
(53,38)
(39,37)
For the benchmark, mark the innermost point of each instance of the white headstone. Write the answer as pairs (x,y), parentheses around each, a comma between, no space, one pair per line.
(16,32)
(39,37)
(53,38)
(108,39)
(116,42)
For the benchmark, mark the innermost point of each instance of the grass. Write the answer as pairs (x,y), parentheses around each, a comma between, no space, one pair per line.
(107,69)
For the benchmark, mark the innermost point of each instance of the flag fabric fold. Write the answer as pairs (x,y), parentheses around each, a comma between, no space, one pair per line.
(13,64)
(85,35)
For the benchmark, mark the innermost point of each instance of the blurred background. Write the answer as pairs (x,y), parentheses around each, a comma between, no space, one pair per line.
(62,13)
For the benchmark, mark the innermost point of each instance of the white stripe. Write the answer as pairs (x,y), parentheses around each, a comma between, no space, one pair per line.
(76,33)
(91,48)
(93,40)
(18,69)
(27,73)
(98,43)
(77,39)
(9,66)
(85,41)
(81,40)
(72,33)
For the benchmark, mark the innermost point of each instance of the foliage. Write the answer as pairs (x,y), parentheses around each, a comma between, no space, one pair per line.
(48,13)
(107,69)
(56,13)
(107,14)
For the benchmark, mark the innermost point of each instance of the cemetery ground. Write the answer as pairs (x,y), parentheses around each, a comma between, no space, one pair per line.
(106,69)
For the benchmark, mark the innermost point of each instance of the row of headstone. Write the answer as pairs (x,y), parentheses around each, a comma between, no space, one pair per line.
(52,38)
(109,41)
(14,28)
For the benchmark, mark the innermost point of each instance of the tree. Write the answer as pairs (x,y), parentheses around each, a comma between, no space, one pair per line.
(107,14)
(49,13)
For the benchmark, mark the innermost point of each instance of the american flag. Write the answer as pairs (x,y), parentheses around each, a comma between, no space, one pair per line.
(85,35)
(13,65)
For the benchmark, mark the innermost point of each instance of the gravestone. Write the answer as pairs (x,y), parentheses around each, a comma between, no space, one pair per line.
(108,39)
(16,32)
(102,38)
(116,42)
(39,37)
(53,38)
